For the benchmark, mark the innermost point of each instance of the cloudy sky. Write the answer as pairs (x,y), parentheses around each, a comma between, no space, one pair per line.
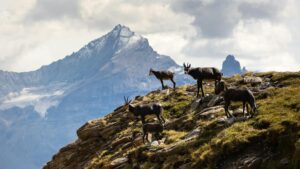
(262,34)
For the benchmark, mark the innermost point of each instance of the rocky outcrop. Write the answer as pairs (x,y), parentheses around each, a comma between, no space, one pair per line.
(196,135)
(252,80)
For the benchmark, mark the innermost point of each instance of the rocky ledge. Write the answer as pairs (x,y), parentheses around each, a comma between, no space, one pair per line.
(197,134)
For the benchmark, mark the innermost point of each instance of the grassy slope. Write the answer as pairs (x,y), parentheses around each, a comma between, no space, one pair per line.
(274,131)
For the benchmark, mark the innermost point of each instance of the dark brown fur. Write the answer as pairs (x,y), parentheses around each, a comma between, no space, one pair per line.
(155,128)
(233,94)
(200,74)
(163,75)
(146,109)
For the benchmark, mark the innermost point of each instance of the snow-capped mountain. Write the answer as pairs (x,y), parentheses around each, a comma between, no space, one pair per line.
(38,108)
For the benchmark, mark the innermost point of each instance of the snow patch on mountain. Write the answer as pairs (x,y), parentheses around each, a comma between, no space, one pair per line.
(43,105)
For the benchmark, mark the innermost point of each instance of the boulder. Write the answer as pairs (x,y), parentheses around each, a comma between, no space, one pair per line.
(121,141)
(99,129)
(118,162)
(216,99)
(193,133)
(208,113)
(195,104)
(252,80)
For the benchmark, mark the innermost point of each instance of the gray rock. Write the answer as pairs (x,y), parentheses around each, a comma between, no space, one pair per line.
(214,100)
(252,80)
(154,143)
(227,121)
(193,133)
(118,161)
(195,104)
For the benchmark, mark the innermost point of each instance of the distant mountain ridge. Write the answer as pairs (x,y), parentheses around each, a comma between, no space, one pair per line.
(88,60)
(231,66)
(70,91)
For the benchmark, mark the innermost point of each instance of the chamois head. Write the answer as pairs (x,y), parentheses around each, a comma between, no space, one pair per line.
(131,108)
(220,87)
(150,72)
(186,68)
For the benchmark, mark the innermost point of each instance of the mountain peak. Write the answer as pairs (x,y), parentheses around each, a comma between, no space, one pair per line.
(122,31)
(119,37)
(230,58)
(231,66)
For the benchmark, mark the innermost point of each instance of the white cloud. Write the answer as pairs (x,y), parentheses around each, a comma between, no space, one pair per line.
(257,32)
(260,33)
(39,98)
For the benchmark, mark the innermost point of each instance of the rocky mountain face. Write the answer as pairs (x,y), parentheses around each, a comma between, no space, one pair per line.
(231,66)
(197,134)
(41,110)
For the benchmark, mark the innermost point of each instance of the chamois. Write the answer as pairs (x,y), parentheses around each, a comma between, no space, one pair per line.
(204,73)
(163,75)
(233,94)
(155,128)
(146,109)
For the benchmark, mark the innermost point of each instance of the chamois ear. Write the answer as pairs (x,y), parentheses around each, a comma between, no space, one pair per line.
(184,65)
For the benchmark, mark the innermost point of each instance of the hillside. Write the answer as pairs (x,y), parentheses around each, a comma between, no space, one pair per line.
(84,85)
(196,134)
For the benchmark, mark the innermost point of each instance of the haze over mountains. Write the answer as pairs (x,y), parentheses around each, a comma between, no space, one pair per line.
(41,110)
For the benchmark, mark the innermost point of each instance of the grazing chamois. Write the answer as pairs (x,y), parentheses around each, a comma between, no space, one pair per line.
(163,75)
(155,128)
(146,109)
(233,94)
(204,73)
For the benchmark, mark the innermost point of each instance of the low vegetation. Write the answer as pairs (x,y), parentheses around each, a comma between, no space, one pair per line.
(197,134)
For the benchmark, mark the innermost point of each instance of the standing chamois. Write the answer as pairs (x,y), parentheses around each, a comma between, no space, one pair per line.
(233,94)
(146,109)
(200,74)
(155,128)
(163,75)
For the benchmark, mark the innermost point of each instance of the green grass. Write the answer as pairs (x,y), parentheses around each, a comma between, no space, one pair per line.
(173,136)
(276,125)
(280,112)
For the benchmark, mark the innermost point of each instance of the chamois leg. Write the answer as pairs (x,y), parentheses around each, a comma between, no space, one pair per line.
(143,119)
(253,109)
(147,138)
(156,135)
(216,83)
(163,118)
(244,104)
(162,84)
(247,106)
(144,135)
(198,87)
(226,109)
(201,85)
(216,86)
(174,84)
